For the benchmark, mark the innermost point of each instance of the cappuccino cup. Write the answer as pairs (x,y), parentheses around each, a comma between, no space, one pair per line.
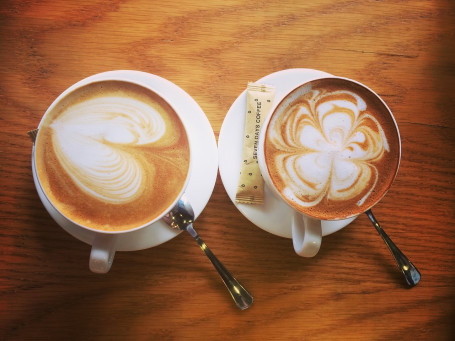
(111,156)
(330,150)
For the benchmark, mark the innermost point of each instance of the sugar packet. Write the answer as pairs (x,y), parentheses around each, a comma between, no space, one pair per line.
(259,101)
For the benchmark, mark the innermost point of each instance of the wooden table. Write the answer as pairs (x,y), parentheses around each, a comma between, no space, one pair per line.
(352,289)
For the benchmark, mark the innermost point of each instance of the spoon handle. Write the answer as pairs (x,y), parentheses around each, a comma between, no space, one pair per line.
(410,272)
(241,296)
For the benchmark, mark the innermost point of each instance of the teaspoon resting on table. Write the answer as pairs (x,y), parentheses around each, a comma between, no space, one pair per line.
(182,217)
(410,272)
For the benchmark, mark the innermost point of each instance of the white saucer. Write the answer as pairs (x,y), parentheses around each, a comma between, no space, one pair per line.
(274,215)
(204,161)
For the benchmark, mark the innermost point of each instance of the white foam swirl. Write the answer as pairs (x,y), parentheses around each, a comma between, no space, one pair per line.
(90,138)
(327,148)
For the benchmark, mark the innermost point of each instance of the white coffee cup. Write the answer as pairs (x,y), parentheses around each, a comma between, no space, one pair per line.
(307,220)
(104,242)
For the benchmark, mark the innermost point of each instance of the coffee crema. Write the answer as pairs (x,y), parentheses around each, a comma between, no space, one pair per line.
(332,149)
(112,155)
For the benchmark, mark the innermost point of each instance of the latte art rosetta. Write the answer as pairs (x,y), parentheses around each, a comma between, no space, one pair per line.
(325,147)
(94,141)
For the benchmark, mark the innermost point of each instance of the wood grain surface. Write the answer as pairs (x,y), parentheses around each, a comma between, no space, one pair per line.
(352,290)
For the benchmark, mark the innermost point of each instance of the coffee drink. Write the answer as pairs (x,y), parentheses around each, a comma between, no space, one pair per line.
(112,155)
(332,148)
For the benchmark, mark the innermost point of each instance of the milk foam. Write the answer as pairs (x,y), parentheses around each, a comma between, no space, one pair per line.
(112,155)
(324,147)
(89,141)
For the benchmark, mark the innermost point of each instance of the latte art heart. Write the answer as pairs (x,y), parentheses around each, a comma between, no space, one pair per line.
(326,150)
(93,141)
(112,156)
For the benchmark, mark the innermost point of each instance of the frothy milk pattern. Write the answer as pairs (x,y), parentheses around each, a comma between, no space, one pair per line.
(112,156)
(326,145)
(89,138)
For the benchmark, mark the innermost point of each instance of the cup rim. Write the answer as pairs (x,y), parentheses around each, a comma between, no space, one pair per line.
(107,77)
(261,155)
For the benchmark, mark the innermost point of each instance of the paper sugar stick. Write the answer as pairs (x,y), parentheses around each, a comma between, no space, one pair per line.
(259,101)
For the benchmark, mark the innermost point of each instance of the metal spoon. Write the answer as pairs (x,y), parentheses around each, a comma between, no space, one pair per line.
(410,272)
(181,217)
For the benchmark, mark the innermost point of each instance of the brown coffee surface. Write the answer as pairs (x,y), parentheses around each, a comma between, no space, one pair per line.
(332,149)
(112,155)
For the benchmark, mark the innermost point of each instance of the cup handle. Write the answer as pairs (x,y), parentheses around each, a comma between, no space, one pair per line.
(102,254)
(306,235)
